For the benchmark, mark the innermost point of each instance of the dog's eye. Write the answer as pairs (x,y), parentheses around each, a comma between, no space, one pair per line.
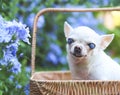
(91,45)
(70,40)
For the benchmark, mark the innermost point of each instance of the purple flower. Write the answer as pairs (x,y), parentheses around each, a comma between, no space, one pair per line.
(18,86)
(9,53)
(10,59)
(30,20)
(63,60)
(3,62)
(56,49)
(4,37)
(11,78)
(21,55)
(13,48)
(52,58)
(13,29)
(19,30)
(28,69)
(52,36)
(27,89)
(11,32)
(106,2)
(85,19)
(7,56)
(100,2)
(16,68)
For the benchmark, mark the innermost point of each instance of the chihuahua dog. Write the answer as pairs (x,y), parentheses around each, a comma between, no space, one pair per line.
(86,57)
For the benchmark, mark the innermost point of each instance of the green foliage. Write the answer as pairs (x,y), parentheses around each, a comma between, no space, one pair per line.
(114,46)
(51,49)
(9,9)
(115,2)
(14,77)
(12,84)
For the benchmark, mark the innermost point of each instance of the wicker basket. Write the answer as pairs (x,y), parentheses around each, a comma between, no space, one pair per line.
(59,82)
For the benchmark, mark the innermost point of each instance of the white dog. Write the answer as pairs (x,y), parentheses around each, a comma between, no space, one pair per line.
(86,57)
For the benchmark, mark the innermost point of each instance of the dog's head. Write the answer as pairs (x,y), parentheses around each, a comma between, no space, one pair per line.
(83,41)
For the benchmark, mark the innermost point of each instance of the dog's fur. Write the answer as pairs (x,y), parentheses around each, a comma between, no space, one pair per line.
(90,64)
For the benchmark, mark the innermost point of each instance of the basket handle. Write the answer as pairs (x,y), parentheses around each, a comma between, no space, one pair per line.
(58,10)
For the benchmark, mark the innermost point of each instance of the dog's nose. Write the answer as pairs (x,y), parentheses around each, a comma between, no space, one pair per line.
(77,50)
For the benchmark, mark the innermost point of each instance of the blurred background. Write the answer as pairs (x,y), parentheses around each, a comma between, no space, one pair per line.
(51,43)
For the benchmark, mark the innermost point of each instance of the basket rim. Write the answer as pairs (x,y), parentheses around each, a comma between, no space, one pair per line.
(57,72)
(81,81)
(71,80)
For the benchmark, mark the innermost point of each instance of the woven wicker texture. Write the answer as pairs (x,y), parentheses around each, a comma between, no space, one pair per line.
(60,83)
(75,88)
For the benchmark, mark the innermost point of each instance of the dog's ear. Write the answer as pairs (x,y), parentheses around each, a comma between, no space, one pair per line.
(106,40)
(67,29)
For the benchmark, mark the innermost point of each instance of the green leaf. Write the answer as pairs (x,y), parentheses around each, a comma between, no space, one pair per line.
(1,92)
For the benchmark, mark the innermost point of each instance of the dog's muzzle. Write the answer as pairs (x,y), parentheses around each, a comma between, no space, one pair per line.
(77,52)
